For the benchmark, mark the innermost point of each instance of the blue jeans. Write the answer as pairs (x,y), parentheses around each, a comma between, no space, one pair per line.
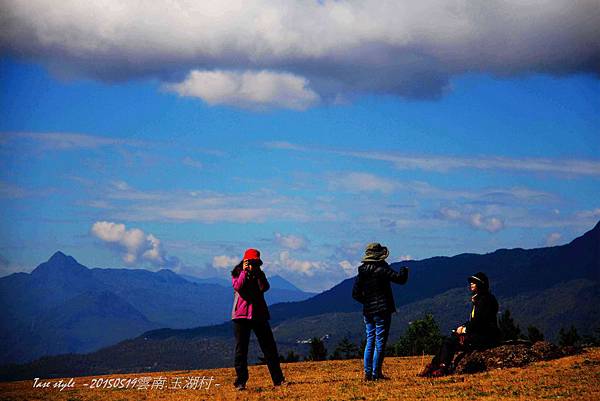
(377,328)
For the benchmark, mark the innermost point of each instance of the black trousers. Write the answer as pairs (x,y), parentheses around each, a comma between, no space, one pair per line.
(264,335)
(451,345)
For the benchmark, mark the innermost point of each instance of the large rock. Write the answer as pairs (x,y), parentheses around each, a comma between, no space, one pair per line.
(510,356)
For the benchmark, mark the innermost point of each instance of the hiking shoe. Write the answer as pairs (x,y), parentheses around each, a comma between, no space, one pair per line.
(280,382)
(368,377)
(427,370)
(439,372)
(240,386)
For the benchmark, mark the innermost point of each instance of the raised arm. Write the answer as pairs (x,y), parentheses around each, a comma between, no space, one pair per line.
(240,281)
(395,277)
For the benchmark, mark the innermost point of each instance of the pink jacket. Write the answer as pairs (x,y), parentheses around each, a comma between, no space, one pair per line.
(249,301)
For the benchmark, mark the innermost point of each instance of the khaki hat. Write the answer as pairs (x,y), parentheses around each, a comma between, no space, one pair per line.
(375,252)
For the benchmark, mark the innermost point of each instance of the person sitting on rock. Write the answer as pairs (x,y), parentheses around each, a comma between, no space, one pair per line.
(480,332)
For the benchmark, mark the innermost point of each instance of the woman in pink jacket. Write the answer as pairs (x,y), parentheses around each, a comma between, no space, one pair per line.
(250,313)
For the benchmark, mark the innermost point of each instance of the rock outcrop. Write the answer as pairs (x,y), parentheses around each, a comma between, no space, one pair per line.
(510,355)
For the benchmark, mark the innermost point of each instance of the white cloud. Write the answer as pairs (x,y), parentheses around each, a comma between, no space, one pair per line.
(404,258)
(444,163)
(476,220)
(450,214)
(133,244)
(411,49)
(67,140)
(121,185)
(304,267)
(290,241)
(349,268)
(490,224)
(224,261)
(553,238)
(127,203)
(439,163)
(588,214)
(155,253)
(250,89)
(362,182)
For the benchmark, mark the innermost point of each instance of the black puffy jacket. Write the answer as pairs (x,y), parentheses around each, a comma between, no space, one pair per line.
(372,287)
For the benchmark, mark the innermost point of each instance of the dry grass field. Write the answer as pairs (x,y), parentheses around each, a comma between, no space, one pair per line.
(571,378)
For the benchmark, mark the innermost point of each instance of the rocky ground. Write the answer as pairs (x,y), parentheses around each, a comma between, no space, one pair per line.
(510,356)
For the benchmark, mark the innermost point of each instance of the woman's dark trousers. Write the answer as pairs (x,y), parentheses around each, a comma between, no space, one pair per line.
(264,335)
(450,345)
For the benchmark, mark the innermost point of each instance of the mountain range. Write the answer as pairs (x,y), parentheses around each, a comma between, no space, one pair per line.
(63,306)
(549,287)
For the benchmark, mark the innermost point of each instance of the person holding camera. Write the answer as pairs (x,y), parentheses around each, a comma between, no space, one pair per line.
(372,289)
(250,313)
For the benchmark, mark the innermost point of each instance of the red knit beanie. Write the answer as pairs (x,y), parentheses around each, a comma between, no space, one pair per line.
(252,254)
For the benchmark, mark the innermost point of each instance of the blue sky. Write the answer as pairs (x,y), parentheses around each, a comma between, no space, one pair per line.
(184,161)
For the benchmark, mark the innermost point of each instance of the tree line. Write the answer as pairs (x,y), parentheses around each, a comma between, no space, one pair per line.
(423,336)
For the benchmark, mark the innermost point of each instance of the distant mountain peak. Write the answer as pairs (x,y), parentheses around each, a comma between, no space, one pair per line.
(592,235)
(59,262)
(61,257)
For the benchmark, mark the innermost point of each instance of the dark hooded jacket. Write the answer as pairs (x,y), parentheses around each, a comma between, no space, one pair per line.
(372,287)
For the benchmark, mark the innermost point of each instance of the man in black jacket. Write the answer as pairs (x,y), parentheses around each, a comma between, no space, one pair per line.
(479,332)
(372,288)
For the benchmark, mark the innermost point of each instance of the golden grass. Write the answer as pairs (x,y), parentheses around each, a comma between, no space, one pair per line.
(571,378)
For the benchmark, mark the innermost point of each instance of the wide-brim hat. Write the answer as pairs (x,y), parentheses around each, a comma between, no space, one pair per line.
(375,252)
(480,279)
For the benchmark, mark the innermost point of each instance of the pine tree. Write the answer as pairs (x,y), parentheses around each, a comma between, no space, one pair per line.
(317,351)
(345,350)
(422,336)
(508,328)
(534,334)
(290,357)
(568,337)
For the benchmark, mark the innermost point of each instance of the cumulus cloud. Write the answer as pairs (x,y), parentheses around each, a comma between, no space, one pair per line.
(349,267)
(250,89)
(491,224)
(342,48)
(305,267)
(224,261)
(476,220)
(290,241)
(134,244)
